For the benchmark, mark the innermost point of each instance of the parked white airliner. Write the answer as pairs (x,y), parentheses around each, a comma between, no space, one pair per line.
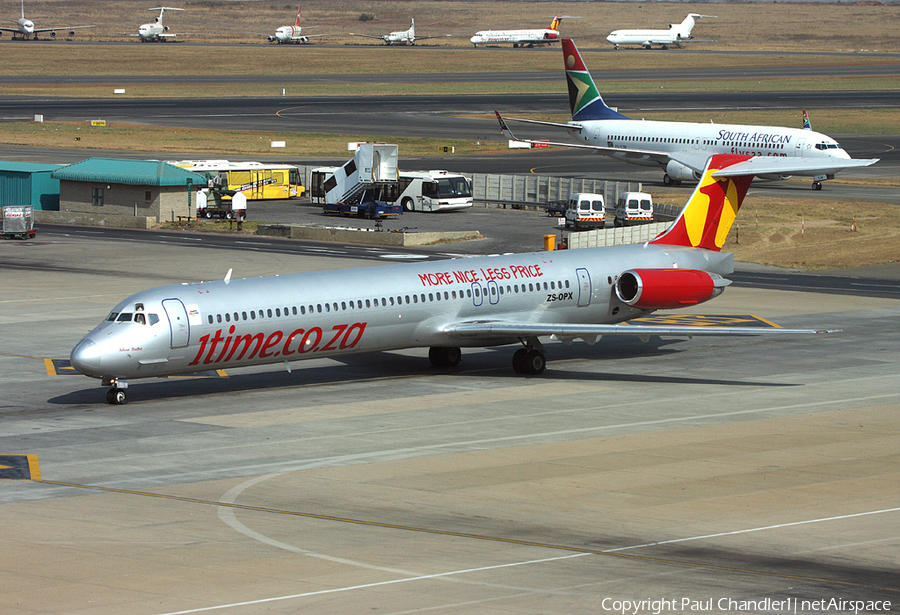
(26,29)
(286,35)
(441,305)
(682,148)
(402,37)
(675,35)
(521,38)
(155,31)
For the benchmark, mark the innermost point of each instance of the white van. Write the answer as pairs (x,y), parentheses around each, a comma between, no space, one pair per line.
(585,210)
(634,208)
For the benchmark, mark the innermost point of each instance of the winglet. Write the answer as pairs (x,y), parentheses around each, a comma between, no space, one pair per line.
(503,127)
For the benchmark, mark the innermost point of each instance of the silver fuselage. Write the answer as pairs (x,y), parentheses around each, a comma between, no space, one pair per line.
(214,325)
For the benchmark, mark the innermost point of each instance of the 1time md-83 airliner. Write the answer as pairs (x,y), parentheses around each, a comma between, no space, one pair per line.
(441,305)
(675,35)
(682,148)
(26,29)
(521,38)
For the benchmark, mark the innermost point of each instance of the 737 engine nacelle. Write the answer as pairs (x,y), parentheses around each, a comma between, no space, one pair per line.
(666,289)
(679,172)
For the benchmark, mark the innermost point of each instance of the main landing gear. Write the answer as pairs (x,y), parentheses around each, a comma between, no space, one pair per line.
(529,360)
(444,356)
(115,396)
(817,185)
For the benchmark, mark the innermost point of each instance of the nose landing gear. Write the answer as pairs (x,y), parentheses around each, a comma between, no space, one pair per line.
(115,396)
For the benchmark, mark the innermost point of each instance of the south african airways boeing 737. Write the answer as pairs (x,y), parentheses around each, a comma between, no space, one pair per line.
(440,305)
(682,148)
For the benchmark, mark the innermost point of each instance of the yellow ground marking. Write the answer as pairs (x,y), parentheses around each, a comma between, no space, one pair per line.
(702,320)
(62,367)
(19,467)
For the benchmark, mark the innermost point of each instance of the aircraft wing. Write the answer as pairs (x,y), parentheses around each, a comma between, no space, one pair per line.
(765,165)
(16,30)
(661,157)
(504,330)
(381,38)
(425,38)
(37,30)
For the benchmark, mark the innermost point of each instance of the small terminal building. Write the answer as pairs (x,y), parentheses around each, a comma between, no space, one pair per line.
(27,183)
(131,188)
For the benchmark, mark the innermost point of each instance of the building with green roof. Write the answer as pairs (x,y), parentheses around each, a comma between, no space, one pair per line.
(28,183)
(121,187)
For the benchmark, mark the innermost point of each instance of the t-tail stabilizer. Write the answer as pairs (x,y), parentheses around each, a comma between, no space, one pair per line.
(709,214)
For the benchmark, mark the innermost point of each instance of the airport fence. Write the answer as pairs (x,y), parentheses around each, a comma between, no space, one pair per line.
(618,236)
(538,190)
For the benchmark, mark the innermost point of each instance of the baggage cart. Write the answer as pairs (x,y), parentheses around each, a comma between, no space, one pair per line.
(18,221)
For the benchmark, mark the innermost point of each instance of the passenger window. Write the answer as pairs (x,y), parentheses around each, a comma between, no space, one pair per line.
(209,318)
(218,318)
(252,314)
(270,312)
(227,317)
(277,312)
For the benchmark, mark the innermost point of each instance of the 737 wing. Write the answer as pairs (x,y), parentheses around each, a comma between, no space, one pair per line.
(660,157)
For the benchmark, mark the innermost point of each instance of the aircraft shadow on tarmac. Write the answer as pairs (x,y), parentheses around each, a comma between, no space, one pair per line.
(478,362)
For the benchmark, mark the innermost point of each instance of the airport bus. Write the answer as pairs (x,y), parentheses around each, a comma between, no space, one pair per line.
(256,180)
(415,190)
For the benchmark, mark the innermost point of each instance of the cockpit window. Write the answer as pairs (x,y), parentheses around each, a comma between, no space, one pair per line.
(139,319)
(124,317)
(112,316)
(153,319)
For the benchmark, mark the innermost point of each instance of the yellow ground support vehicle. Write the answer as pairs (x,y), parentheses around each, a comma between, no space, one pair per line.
(256,180)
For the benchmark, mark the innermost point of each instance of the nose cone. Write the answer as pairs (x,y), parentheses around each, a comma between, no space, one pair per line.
(85,358)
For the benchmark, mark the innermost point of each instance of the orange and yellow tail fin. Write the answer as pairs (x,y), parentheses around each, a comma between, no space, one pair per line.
(554,25)
(708,215)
